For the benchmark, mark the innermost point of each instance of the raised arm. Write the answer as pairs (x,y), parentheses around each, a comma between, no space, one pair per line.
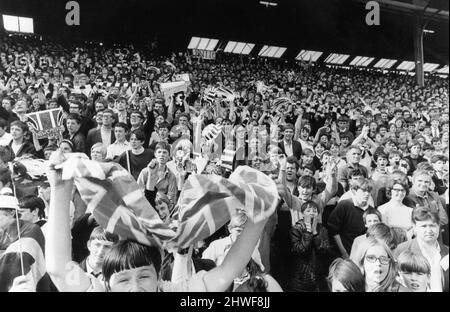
(66,275)
(221,277)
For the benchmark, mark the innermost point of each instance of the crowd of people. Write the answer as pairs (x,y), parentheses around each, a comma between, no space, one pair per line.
(359,158)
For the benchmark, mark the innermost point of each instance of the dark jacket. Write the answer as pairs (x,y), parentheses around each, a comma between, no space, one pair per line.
(309,252)
(95,136)
(296,148)
(26,148)
(78,140)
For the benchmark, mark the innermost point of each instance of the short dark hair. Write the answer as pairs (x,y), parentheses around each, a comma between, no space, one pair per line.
(413,262)
(370,211)
(137,113)
(356,172)
(74,116)
(162,145)
(292,160)
(381,154)
(288,126)
(3,123)
(126,255)
(5,175)
(121,125)
(33,202)
(423,214)
(307,182)
(382,232)
(20,124)
(109,111)
(99,233)
(164,125)
(365,185)
(140,135)
(309,204)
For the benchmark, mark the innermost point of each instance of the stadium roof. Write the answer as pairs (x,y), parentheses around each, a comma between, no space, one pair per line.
(329,26)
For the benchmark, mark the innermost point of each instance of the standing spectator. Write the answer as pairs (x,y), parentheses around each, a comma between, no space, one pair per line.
(377,263)
(73,124)
(345,276)
(353,158)
(427,229)
(421,196)
(394,213)
(346,220)
(309,244)
(121,145)
(103,135)
(288,145)
(138,157)
(156,177)
(19,144)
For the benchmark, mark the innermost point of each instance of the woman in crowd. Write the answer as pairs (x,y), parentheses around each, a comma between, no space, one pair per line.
(379,267)
(345,276)
(394,213)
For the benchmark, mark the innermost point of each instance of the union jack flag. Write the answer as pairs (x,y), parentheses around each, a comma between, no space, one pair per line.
(116,201)
(206,202)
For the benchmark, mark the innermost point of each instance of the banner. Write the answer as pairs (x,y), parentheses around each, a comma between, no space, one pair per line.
(170,88)
(46,123)
(207,55)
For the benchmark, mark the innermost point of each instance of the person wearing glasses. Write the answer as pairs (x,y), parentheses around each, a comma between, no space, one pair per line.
(377,264)
(394,213)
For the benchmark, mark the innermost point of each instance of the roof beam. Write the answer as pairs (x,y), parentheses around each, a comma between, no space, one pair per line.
(397,6)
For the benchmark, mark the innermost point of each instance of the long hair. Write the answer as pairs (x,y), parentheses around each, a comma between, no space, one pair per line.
(348,274)
(392,271)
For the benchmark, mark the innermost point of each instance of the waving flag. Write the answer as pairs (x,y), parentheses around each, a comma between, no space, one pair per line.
(115,200)
(225,93)
(30,248)
(205,204)
(210,94)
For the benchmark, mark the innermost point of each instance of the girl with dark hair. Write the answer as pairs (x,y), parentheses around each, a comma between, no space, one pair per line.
(345,276)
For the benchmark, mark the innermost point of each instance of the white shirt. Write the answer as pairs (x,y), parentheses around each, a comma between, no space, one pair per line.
(288,149)
(16,147)
(435,132)
(106,137)
(433,255)
(5,139)
(395,215)
(117,149)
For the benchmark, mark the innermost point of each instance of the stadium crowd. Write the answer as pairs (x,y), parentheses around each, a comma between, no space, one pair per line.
(358,159)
